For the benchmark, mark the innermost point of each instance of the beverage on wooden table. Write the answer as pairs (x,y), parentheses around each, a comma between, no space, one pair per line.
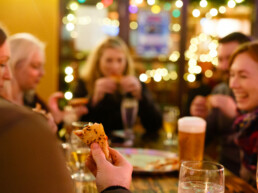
(191,133)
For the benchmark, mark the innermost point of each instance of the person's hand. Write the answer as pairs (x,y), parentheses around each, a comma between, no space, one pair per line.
(51,122)
(107,174)
(225,103)
(130,84)
(59,114)
(199,107)
(103,86)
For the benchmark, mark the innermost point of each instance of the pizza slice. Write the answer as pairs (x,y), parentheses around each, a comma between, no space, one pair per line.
(94,133)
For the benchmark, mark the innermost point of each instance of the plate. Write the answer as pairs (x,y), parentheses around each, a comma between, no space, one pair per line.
(150,161)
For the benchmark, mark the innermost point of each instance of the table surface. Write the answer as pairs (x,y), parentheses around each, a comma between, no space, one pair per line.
(168,182)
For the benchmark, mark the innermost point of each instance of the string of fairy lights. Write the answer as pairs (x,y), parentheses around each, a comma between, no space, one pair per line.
(202,47)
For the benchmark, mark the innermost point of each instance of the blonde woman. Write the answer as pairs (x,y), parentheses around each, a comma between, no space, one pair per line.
(108,75)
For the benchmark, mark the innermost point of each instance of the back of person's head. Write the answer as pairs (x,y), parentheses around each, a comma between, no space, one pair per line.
(3,35)
(91,70)
(251,48)
(23,46)
(235,37)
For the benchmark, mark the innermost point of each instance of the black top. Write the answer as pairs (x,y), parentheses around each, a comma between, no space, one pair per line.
(108,112)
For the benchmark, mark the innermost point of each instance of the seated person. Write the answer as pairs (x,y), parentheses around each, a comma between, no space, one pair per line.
(31,158)
(243,81)
(108,75)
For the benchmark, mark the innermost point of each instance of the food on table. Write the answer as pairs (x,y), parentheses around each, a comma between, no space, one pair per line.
(94,133)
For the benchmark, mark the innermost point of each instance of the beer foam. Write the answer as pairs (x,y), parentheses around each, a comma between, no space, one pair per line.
(192,125)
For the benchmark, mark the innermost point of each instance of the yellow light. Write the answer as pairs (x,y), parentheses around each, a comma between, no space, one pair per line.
(65,20)
(196,12)
(174,56)
(68,95)
(179,3)
(152,73)
(166,78)
(74,6)
(197,69)
(143,77)
(222,9)
(69,78)
(208,73)
(239,1)
(84,20)
(176,27)
(191,77)
(203,58)
(70,17)
(164,72)
(138,1)
(194,41)
(155,9)
(213,46)
(202,37)
(191,69)
(203,3)
(68,70)
(173,75)
(231,3)
(148,72)
(115,23)
(213,53)
(193,48)
(70,26)
(215,61)
(157,77)
(213,12)
(151,2)
(192,62)
(100,6)
(133,25)
(208,15)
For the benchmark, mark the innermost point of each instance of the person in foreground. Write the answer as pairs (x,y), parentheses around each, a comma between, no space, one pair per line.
(109,177)
(243,81)
(31,157)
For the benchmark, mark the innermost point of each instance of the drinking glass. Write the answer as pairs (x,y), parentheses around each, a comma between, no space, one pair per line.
(170,116)
(201,177)
(79,154)
(129,110)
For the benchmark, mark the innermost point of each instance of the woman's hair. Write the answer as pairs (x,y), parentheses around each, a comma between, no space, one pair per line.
(3,35)
(250,48)
(23,46)
(91,70)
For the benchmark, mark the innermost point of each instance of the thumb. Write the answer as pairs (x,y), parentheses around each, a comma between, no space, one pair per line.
(97,154)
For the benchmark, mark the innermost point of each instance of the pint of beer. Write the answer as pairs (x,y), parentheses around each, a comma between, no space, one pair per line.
(191,132)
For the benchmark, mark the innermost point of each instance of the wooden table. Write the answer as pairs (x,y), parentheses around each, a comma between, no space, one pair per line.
(166,183)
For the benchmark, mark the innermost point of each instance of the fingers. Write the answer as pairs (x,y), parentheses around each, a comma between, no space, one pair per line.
(91,165)
(117,158)
(98,155)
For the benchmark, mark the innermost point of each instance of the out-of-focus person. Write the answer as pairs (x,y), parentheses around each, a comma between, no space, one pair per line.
(31,157)
(107,76)
(243,81)
(27,66)
(219,109)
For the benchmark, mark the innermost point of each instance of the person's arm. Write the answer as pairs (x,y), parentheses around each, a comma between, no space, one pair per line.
(110,177)
(31,158)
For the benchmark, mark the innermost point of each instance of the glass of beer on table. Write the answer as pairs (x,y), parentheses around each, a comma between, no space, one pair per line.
(191,137)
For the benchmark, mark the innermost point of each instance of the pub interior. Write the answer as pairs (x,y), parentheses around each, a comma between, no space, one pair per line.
(172,82)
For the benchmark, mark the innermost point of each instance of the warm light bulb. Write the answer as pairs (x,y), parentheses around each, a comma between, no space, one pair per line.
(196,13)
(231,3)
(203,3)
(68,95)
(222,9)
(179,3)
(213,12)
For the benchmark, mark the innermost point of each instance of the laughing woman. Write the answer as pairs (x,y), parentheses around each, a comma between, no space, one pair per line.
(244,83)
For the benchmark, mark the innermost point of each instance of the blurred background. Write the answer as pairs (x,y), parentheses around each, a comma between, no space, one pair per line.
(173,43)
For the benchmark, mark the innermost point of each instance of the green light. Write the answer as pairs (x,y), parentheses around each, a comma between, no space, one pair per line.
(81,1)
(167,6)
(176,13)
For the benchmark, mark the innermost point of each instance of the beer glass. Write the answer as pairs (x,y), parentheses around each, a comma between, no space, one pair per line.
(79,154)
(201,177)
(129,110)
(170,115)
(191,135)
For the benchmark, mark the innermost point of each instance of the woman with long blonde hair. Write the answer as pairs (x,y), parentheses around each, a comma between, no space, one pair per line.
(107,76)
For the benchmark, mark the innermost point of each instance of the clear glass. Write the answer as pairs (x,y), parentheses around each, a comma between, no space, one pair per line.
(170,116)
(201,177)
(79,154)
(129,110)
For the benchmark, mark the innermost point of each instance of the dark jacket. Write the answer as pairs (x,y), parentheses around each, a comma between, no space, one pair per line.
(108,110)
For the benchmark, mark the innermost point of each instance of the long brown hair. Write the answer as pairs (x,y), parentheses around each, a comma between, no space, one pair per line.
(91,70)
